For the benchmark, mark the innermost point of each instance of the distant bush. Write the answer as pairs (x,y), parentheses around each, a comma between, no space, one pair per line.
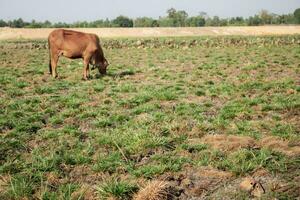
(122,21)
(174,18)
(297,15)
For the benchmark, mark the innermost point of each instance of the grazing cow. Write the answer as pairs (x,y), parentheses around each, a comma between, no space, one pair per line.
(74,44)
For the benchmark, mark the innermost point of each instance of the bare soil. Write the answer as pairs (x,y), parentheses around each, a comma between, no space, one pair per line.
(26,33)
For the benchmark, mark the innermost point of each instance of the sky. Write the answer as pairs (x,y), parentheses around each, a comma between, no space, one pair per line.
(89,10)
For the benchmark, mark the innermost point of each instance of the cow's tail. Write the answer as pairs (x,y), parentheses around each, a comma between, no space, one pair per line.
(50,67)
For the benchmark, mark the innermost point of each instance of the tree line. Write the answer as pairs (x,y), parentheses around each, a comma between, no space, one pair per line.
(174,18)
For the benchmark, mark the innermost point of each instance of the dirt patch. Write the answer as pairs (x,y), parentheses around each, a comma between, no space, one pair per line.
(84,174)
(202,181)
(282,146)
(195,183)
(228,142)
(42,33)
(260,184)
(54,180)
(212,172)
(209,183)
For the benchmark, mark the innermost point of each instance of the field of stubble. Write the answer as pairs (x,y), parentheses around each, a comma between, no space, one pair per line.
(167,121)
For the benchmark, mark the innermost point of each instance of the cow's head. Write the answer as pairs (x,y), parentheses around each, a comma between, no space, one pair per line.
(101,65)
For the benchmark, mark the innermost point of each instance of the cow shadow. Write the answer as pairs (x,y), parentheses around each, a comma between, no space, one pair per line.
(116,74)
(124,73)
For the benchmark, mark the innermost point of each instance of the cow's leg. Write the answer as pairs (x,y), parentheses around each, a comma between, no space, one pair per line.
(86,62)
(54,60)
(88,71)
(50,68)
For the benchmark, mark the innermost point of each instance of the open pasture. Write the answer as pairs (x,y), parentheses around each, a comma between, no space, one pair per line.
(192,118)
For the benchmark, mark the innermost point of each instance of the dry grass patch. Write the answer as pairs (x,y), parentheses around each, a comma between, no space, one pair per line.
(228,142)
(4,183)
(142,118)
(232,143)
(282,146)
(200,182)
(155,190)
(85,192)
(214,173)
(15,33)
(53,179)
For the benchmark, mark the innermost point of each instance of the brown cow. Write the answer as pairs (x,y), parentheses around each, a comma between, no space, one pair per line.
(73,44)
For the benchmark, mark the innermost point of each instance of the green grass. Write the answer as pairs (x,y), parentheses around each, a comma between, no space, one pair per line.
(245,161)
(160,164)
(117,189)
(135,124)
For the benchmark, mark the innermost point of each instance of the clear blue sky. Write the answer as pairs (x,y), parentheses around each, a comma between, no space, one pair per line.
(74,10)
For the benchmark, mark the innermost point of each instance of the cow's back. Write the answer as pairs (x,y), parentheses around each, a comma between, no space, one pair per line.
(71,40)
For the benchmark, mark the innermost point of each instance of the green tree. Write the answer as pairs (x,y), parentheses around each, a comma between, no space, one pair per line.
(107,23)
(286,19)
(297,15)
(175,18)
(18,23)
(236,21)
(265,16)
(181,18)
(3,23)
(223,22)
(155,23)
(97,23)
(195,21)
(47,24)
(165,22)
(215,21)
(145,22)
(254,21)
(123,21)
(80,24)
(34,24)
(61,25)
(171,13)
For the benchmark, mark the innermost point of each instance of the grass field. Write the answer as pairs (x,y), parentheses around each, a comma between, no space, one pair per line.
(192,122)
